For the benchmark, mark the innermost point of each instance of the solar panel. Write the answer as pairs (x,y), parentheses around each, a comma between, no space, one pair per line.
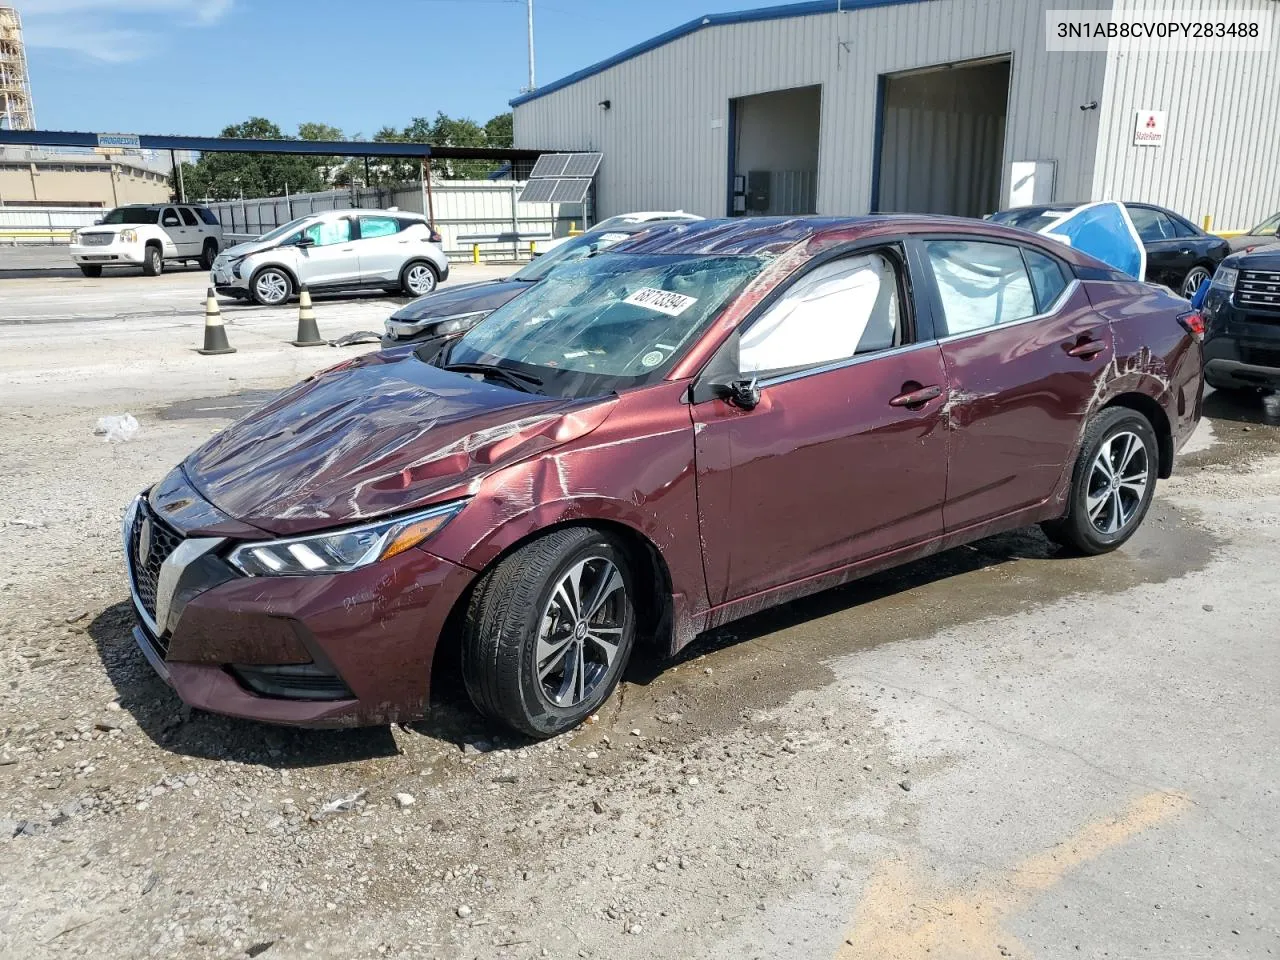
(570,191)
(549,165)
(583,164)
(538,191)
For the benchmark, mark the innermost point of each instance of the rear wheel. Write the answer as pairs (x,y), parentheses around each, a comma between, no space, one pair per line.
(270,287)
(210,252)
(1113,483)
(549,631)
(152,261)
(91,269)
(1191,282)
(418,278)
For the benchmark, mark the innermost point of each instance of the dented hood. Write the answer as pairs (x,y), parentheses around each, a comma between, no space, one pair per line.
(381,435)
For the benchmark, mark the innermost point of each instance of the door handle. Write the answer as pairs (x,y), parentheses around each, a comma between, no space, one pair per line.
(914,396)
(1185,251)
(1084,349)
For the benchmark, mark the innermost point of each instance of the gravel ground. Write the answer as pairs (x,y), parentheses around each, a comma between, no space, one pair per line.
(999,752)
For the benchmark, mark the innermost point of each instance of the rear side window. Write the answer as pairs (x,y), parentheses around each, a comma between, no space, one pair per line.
(207,216)
(1181,229)
(980,284)
(371,227)
(1151,224)
(1048,279)
(188,217)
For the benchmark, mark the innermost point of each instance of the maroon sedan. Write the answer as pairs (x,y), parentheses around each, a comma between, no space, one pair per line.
(714,418)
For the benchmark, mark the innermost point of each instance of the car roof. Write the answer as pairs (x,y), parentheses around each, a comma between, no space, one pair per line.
(764,236)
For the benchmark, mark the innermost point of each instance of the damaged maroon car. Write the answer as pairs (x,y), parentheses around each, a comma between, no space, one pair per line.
(713,418)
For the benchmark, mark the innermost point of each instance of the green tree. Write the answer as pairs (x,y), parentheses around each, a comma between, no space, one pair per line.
(498,132)
(227,176)
(327,167)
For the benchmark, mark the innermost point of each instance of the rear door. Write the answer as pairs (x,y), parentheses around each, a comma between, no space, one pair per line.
(844,457)
(179,235)
(383,248)
(1169,257)
(195,230)
(1024,352)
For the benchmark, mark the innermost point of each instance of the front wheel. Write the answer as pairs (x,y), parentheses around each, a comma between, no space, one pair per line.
(152,262)
(417,279)
(270,287)
(1113,483)
(1191,282)
(209,254)
(549,631)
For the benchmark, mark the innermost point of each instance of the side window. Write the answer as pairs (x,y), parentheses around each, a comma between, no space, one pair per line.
(328,232)
(1151,224)
(169,218)
(371,227)
(1048,279)
(188,217)
(207,216)
(980,284)
(838,310)
(1181,229)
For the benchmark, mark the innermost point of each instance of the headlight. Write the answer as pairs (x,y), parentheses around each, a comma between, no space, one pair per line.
(127,236)
(341,550)
(439,326)
(235,266)
(1225,278)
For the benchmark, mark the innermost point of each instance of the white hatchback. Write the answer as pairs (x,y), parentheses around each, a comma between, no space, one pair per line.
(335,250)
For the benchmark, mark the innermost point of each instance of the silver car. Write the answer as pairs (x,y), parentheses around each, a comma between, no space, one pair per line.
(335,250)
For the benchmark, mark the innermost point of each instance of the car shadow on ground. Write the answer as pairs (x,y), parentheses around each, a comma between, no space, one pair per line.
(162,716)
(1243,406)
(392,300)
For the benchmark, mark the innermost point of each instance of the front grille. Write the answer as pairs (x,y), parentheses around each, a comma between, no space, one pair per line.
(97,239)
(161,541)
(1258,290)
(1260,356)
(294,681)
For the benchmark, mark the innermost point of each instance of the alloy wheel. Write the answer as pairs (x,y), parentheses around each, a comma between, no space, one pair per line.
(420,279)
(1117,482)
(580,631)
(272,287)
(1194,278)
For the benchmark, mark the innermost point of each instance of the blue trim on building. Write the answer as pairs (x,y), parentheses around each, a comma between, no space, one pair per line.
(779,12)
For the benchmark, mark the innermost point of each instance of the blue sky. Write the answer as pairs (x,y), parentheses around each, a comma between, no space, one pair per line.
(194,66)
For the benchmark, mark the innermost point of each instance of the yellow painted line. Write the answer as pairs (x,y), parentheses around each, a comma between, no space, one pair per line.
(905,915)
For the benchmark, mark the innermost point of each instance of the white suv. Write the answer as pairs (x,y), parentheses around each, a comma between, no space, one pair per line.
(148,235)
(335,250)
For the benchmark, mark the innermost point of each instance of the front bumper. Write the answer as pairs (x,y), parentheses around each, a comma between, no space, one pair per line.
(212,634)
(107,254)
(1241,346)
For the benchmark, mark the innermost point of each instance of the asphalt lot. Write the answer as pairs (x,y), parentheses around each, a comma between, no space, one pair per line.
(997,752)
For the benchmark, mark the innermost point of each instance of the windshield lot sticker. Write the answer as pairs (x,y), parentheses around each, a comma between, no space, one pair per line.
(672,304)
(652,358)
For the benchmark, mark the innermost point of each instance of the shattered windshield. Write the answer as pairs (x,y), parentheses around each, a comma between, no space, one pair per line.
(606,322)
(579,248)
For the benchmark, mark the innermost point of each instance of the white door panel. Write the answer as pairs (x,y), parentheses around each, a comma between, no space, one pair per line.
(333,258)
(382,248)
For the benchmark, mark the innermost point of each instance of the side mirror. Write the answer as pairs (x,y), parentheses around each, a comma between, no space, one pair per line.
(305,241)
(741,393)
(97,223)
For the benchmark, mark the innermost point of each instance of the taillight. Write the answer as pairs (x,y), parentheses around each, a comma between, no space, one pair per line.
(1193,323)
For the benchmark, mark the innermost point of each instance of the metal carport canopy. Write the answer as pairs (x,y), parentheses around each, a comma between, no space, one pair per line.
(346,148)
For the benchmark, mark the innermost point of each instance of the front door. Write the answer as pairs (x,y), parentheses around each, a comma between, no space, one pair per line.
(844,457)
(1024,351)
(331,259)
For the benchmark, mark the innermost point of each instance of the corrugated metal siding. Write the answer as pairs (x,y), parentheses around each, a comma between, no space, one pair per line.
(1223,135)
(665,139)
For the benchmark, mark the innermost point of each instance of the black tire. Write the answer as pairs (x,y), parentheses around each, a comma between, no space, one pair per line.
(259,293)
(510,606)
(152,261)
(91,269)
(414,269)
(1078,530)
(208,254)
(1200,272)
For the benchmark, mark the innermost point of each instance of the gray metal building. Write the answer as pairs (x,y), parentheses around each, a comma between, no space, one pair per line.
(944,106)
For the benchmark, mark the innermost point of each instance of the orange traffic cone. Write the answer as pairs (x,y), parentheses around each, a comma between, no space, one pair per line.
(308,332)
(215,333)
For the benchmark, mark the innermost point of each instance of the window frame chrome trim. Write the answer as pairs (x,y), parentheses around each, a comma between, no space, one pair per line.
(839,364)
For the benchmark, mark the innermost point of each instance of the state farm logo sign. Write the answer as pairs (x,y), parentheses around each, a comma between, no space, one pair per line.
(1148,129)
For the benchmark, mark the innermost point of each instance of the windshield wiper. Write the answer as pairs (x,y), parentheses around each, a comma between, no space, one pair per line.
(521,381)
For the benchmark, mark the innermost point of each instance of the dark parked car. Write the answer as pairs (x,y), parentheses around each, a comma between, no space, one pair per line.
(1263,235)
(446,314)
(713,418)
(1241,316)
(1179,254)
